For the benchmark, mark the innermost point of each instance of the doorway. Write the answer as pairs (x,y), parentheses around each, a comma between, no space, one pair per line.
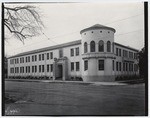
(60,72)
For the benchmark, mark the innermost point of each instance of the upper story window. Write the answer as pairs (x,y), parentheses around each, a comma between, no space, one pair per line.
(39,57)
(72,52)
(117,51)
(77,51)
(51,55)
(101,46)
(47,56)
(60,53)
(28,58)
(108,46)
(42,56)
(85,47)
(35,57)
(92,46)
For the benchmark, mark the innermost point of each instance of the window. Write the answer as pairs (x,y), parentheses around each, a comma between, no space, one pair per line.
(39,57)
(32,58)
(113,66)
(20,60)
(42,68)
(116,66)
(35,68)
(51,67)
(28,69)
(47,67)
(119,66)
(101,64)
(92,46)
(72,66)
(126,66)
(51,55)
(85,47)
(60,53)
(77,66)
(32,68)
(101,46)
(117,51)
(35,57)
(108,46)
(47,56)
(42,56)
(20,69)
(28,58)
(77,51)
(86,65)
(39,68)
(123,66)
(72,52)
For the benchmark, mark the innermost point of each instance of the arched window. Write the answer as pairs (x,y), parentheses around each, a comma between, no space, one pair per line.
(101,46)
(85,47)
(108,46)
(92,46)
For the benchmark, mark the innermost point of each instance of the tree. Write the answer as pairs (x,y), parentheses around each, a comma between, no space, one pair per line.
(142,68)
(22,21)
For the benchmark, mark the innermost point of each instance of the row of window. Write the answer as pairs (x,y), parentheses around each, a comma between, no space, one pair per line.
(100,46)
(72,51)
(93,32)
(126,66)
(126,53)
(34,58)
(32,69)
(77,66)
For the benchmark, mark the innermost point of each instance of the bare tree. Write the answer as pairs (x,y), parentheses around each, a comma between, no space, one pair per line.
(22,21)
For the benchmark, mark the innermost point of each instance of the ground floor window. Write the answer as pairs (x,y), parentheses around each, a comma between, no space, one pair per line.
(86,65)
(113,65)
(116,66)
(39,68)
(51,67)
(119,66)
(77,66)
(42,68)
(72,66)
(47,67)
(101,64)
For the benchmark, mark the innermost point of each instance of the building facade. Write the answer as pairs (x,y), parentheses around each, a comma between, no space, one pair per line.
(96,57)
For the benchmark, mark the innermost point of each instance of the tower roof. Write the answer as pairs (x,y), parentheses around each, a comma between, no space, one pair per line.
(97,26)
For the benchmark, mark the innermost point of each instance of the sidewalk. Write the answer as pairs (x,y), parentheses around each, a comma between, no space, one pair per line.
(59,81)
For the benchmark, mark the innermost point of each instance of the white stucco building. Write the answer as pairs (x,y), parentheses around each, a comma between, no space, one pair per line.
(96,57)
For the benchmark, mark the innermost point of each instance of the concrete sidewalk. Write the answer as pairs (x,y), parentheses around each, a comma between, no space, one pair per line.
(59,81)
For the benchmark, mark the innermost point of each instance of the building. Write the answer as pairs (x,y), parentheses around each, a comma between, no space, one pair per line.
(96,57)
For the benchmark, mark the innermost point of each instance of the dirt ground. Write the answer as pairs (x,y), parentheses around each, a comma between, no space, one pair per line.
(58,98)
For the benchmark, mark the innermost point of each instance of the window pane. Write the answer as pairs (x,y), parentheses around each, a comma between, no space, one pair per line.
(51,67)
(72,52)
(101,46)
(72,66)
(101,64)
(77,66)
(92,46)
(77,51)
(85,47)
(108,46)
(85,65)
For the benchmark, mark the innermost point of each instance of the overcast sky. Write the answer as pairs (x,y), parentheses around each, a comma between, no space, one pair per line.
(64,21)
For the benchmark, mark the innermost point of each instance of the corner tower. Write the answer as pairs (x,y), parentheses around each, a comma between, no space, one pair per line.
(98,53)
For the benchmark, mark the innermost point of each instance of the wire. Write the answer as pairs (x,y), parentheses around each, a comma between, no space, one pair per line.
(104,36)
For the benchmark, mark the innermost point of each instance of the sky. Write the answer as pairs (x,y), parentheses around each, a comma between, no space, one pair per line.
(64,21)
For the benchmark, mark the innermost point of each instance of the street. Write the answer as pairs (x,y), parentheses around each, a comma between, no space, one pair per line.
(62,98)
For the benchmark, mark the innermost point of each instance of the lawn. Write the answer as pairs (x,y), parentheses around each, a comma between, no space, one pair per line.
(58,98)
